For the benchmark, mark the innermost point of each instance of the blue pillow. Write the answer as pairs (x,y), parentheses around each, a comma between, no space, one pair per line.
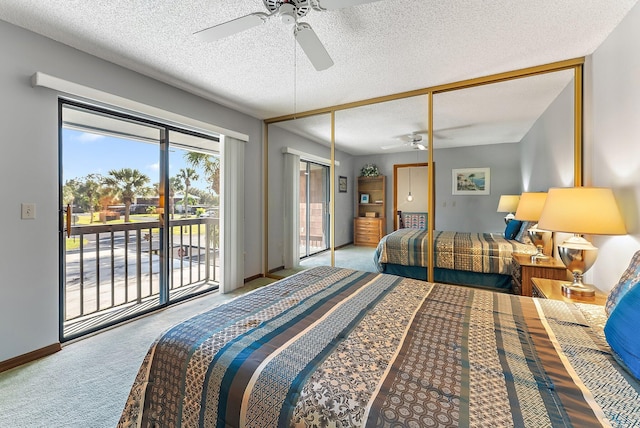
(513,227)
(629,278)
(621,331)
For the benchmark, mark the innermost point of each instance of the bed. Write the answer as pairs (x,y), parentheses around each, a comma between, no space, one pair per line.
(344,348)
(476,259)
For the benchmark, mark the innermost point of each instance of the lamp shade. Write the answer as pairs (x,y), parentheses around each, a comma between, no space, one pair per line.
(582,210)
(508,203)
(530,206)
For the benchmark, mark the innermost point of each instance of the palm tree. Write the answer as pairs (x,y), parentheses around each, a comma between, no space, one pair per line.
(211,166)
(186,175)
(175,185)
(127,182)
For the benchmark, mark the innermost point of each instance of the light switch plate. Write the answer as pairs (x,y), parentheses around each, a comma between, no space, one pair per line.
(28,211)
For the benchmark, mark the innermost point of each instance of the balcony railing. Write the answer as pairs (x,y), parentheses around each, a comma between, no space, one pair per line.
(117,266)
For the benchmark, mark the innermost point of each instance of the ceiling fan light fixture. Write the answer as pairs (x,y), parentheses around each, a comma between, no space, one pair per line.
(287,14)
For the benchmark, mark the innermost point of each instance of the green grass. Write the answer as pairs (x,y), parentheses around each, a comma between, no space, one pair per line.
(73,243)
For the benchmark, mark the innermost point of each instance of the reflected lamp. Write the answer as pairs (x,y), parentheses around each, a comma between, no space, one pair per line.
(530,209)
(581,211)
(508,204)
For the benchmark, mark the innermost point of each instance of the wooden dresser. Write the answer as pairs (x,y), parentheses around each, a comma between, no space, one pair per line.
(368,231)
(524,269)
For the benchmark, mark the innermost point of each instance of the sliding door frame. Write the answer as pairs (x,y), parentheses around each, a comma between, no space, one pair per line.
(165,130)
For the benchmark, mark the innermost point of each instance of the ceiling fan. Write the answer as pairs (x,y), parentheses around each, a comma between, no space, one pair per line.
(289,11)
(413,140)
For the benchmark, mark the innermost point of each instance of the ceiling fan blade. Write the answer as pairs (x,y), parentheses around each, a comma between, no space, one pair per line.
(229,28)
(341,4)
(393,146)
(312,46)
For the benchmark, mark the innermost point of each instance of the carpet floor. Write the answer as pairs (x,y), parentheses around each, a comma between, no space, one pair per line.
(350,256)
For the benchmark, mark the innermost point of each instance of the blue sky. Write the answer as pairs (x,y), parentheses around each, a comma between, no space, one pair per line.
(85,153)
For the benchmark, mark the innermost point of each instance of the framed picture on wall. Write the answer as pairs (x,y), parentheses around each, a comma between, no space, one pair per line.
(342,184)
(471,181)
(364,198)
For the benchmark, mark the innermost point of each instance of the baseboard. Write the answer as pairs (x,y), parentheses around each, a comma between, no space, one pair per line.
(251,278)
(274,270)
(28,357)
(344,245)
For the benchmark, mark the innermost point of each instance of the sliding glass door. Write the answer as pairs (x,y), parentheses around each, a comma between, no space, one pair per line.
(194,214)
(139,216)
(314,208)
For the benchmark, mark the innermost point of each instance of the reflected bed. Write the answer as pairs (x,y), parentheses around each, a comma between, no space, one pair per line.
(477,259)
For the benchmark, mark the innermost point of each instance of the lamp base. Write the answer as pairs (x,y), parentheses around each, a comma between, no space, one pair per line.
(578,290)
(539,256)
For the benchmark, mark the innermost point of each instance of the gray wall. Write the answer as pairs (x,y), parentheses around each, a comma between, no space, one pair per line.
(29,173)
(459,213)
(476,213)
(280,138)
(548,148)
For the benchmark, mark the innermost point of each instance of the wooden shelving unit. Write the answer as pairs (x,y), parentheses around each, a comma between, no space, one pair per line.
(369,226)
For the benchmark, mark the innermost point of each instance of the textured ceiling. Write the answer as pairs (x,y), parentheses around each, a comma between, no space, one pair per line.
(382,48)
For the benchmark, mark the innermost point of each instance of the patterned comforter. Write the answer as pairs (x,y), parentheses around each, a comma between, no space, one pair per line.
(473,252)
(337,347)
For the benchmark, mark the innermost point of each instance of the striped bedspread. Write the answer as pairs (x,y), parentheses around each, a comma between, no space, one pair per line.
(343,348)
(473,252)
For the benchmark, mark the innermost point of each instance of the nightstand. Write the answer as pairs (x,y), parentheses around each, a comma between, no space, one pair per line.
(524,269)
(552,289)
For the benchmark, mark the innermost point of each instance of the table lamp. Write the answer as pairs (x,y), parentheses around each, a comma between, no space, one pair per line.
(529,209)
(508,204)
(581,210)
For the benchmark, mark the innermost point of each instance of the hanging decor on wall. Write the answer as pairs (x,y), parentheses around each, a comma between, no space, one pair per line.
(471,181)
(342,184)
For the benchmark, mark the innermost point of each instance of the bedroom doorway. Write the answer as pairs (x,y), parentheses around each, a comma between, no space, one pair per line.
(314,208)
(410,190)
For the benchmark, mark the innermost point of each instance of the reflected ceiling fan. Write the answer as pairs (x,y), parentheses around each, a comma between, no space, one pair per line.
(289,11)
(413,140)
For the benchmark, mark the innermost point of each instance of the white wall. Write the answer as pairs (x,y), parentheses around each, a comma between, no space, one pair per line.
(29,173)
(612,140)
